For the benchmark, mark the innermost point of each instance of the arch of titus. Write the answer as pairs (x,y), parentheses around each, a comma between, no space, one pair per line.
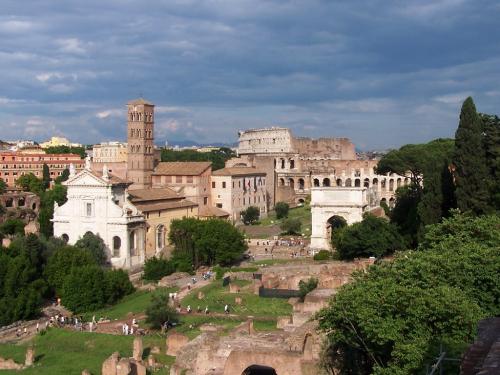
(348,202)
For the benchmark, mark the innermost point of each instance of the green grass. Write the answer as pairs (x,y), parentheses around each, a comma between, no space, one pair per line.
(272,262)
(302,213)
(134,303)
(61,352)
(265,325)
(190,324)
(217,296)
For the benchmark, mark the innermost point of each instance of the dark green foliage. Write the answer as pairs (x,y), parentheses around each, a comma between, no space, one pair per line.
(64,259)
(95,245)
(469,160)
(159,312)
(47,199)
(63,177)
(12,227)
(3,186)
(371,237)
(205,242)
(430,195)
(306,287)
(66,150)
(117,284)
(336,223)
(46,177)
(217,157)
(281,209)
(291,226)
(29,182)
(250,215)
(156,268)
(322,255)
(491,141)
(392,319)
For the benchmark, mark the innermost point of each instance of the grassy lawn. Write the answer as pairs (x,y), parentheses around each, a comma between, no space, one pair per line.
(134,303)
(262,229)
(277,261)
(216,296)
(61,352)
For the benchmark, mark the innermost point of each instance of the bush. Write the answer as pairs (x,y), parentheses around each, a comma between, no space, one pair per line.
(281,209)
(371,237)
(159,311)
(291,226)
(156,268)
(322,255)
(12,226)
(250,215)
(306,287)
(95,245)
(118,285)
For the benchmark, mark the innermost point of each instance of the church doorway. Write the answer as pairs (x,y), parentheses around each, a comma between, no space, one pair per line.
(259,370)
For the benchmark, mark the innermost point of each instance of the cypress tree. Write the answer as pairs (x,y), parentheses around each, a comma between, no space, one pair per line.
(46,176)
(471,175)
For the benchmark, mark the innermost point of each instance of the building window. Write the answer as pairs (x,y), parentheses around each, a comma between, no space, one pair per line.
(178,179)
(223,184)
(160,237)
(218,205)
(117,244)
(132,242)
(189,179)
(205,200)
(65,237)
(213,184)
(88,209)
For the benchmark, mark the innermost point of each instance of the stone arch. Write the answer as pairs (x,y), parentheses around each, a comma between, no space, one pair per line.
(282,163)
(339,182)
(65,237)
(316,182)
(406,181)
(391,184)
(33,206)
(282,182)
(392,202)
(375,182)
(302,184)
(259,370)
(383,200)
(160,237)
(357,182)
(366,183)
(117,244)
(326,181)
(301,200)
(348,182)
(308,347)
(291,182)
(292,163)
(383,183)
(333,223)
(398,182)
(132,242)
(21,202)
(9,202)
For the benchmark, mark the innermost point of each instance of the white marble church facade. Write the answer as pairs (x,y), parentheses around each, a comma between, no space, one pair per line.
(98,203)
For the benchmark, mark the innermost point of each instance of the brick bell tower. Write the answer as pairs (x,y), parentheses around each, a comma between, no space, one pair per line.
(140,138)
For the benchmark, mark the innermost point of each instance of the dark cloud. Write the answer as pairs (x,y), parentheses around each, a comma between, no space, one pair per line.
(381,72)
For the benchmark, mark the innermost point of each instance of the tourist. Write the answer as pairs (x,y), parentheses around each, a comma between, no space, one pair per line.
(189,309)
(37,327)
(198,309)
(206,310)
(226,309)
(93,319)
(131,330)
(25,330)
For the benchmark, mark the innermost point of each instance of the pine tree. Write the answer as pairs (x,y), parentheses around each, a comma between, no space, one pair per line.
(471,175)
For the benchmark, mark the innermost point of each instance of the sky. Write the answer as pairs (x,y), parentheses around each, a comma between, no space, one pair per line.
(381,72)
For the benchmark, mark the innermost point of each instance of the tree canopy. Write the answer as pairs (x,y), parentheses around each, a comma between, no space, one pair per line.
(281,209)
(250,215)
(217,157)
(66,150)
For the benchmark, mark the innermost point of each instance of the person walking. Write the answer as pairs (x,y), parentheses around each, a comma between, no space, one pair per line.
(226,309)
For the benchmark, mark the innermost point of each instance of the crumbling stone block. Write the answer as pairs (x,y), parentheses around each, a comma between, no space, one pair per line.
(30,357)
(137,349)
(175,341)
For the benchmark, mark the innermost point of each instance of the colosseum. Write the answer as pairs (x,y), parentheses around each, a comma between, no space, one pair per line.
(299,164)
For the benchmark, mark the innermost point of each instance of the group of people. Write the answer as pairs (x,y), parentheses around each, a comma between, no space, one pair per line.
(130,329)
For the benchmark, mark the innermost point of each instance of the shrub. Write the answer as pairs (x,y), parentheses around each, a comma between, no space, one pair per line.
(322,255)
(306,287)
(281,209)
(118,285)
(291,226)
(159,311)
(156,268)
(95,245)
(12,226)
(250,215)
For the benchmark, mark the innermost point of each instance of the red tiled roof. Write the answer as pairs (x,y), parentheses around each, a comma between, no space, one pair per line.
(181,168)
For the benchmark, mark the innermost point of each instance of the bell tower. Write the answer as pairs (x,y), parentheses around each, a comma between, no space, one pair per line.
(140,138)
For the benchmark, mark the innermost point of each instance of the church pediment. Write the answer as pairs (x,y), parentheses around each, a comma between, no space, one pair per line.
(85,178)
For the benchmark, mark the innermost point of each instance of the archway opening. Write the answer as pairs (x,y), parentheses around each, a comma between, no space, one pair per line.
(326,182)
(339,182)
(282,182)
(348,182)
(301,183)
(259,370)
(160,237)
(357,182)
(117,244)
(65,238)
(291,183)
(316,182)
(366,183)
(333,224)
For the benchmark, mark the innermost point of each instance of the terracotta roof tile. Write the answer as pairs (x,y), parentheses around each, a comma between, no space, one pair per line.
(148,207)
(182,168)
(143,195)
(238,171)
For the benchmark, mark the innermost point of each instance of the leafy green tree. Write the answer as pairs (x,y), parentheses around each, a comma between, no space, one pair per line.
(12,227)
(306,287)
(46,176)
(371,237)
(322,255)
(63,177)
(219,242)
(30,182)
(117,284)
(159,311)
(250,215)
(47,199)
(291,226)
(469,160)
(183,236)
(156,268)
(67,150)
(491,141)
(217,157)
(281,209)
(84,289)
(95,245)
(62,261)
(3,186)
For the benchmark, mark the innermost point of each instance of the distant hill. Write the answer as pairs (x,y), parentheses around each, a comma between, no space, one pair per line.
(190,143)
